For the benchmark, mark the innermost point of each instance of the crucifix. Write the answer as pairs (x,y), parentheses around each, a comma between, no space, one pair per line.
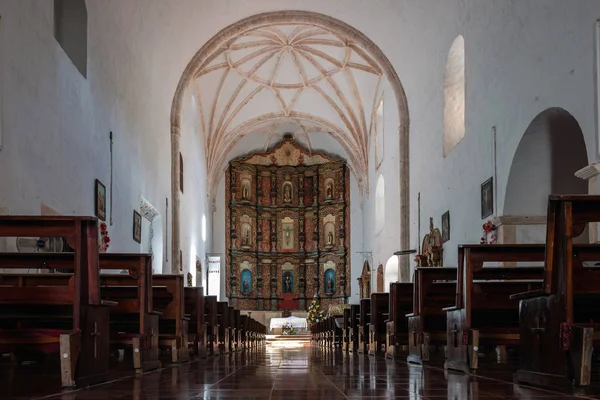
(95,335)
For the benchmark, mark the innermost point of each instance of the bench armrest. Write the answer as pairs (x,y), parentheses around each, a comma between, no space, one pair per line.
(153,312)
(109,303)
(410,315)
(528,295)
(453,308)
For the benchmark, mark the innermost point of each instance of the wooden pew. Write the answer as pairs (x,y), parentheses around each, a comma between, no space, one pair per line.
(212,325)
(354,323)
(49,316)
(223,322)
(434,290)
(346,330)
(558,322)
(380,303)
(401,303)
(173,324)
(363,327)
(232,330)
(195,309)
(483,313)
(238,331)
(133,321)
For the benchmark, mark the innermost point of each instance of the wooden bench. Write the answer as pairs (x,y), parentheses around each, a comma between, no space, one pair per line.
(483,313)
(133,321)
(169,299)
(380,311)
(212,325)
(238,331)
(354,323)
(346,328)
(43,314)
(401,303)
(223,322)
(195,309)
(232,328)
(363,326)
(434,289)
(558,322)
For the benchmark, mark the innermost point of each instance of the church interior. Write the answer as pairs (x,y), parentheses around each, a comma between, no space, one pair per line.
(238,199)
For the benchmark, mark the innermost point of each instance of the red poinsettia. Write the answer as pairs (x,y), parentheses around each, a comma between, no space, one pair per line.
(104,238)
(489,227)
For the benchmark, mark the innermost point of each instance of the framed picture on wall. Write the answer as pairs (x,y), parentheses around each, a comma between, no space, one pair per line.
(137,226)
(487,198)
(446,226)
(100,200)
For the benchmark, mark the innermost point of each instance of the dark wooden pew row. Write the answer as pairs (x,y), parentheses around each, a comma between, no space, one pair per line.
(559,321)
(483,313)
(401,303)
(212,325)
(380,311)
(434,289)
(237,344)
(223,323)
(354,323)
(169,299)
(133,322)
(195,311)
(37,313)
(363,326)
(346,330)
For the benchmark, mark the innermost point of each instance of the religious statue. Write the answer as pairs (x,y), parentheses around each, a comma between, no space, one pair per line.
(329,190)
(330,238)
(287,194)
(189,279)
(431,248)
(246,240)
(287,284)
(245,192)
(330,285)
(245,288)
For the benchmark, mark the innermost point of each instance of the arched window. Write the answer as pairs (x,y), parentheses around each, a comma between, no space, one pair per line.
(454,95)
(70,30)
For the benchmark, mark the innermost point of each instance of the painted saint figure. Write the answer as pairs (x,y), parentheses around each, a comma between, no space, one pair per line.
(330,238)
(245,192)
(330,285)
(245,287)
(287,194)
(329,190)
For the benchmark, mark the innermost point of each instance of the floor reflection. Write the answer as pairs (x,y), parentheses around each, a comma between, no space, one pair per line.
(292,372)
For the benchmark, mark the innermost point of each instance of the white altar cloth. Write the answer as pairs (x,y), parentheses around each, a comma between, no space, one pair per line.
(294,321)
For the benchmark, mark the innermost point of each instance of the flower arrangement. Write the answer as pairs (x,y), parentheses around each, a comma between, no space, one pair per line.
(489,235)
(288,329)
(103,239)
(314,314)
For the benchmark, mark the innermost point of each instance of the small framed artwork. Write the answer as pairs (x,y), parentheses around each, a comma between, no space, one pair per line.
(137,226)
(487,198)
(446,226)
(100,200)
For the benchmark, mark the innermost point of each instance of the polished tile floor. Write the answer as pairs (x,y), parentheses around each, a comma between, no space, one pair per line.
(300,372)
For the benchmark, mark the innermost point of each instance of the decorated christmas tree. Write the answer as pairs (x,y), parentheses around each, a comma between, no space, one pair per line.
(314,313)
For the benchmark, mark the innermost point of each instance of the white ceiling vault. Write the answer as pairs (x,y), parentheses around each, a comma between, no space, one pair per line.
(295,77)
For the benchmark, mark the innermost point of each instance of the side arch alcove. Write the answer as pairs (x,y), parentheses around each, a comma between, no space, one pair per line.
(551,150)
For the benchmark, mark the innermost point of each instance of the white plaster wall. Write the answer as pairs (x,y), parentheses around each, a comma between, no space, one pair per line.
(194,201)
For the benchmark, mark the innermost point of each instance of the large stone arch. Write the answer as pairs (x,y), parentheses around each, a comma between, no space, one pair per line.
(551,150)
(293,17)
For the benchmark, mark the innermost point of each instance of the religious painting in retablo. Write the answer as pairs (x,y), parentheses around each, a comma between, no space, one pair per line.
(100,200)
(487,198)
(287,234)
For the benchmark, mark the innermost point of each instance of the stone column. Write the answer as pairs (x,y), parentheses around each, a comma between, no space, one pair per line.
(404,173)
(175,197)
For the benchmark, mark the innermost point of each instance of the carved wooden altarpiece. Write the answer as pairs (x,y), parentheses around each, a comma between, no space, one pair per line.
(288,225)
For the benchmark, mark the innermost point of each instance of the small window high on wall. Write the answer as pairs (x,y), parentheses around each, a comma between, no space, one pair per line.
(454,95)
(70,30)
